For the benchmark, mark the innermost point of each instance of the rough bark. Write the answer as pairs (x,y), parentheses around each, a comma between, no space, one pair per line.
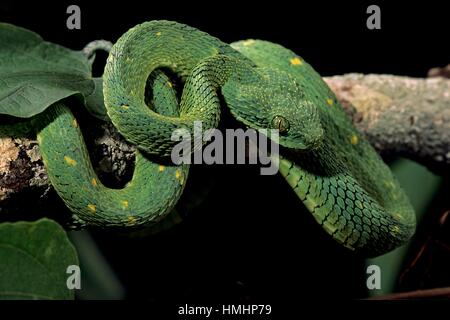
(22,170)
(403,116)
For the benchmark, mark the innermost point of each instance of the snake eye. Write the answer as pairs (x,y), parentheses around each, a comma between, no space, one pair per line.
(280,123)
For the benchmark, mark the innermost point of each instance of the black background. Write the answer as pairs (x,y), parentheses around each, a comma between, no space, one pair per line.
(251,240)
(332,36)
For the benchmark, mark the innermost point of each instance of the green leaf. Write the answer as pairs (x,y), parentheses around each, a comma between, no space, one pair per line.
(34,257)
(95,103)
(35,74)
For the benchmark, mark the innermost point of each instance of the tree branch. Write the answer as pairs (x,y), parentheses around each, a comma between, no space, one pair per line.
(22,170)
(399,115)
(403,116)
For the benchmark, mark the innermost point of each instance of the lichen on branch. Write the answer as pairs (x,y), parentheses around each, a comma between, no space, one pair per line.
(402,116)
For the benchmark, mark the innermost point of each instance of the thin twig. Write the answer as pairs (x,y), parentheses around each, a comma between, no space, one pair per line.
(416,258)
(431,240)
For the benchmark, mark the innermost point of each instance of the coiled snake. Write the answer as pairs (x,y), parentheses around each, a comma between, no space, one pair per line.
(330,166)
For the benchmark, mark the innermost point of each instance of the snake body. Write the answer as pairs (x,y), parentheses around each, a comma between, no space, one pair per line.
(344,183)
(329,165)
(150,195)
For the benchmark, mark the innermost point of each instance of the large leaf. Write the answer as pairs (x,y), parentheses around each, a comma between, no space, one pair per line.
(34,74)
(34,257)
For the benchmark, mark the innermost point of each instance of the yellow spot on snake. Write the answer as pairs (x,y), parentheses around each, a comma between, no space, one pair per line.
(74,123)
(330,102)
(94,182)
(161,168)
(249,42)
(70,161)
(158,34)
(296,61)
(394,230)
(125,107)
(92,207)
(179,176)
(125,204)
(354,139)
(389,184)
(169,84)
(398,216)
(131,220)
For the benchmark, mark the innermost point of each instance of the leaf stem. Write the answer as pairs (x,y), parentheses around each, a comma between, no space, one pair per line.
(95,45)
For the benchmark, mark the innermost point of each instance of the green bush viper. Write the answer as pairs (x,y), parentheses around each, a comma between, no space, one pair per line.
(330,166)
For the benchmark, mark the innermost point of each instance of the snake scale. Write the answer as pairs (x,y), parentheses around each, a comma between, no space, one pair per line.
(329,165)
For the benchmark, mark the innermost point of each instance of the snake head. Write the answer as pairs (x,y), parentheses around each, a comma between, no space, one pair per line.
(276,101)
(297,121)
